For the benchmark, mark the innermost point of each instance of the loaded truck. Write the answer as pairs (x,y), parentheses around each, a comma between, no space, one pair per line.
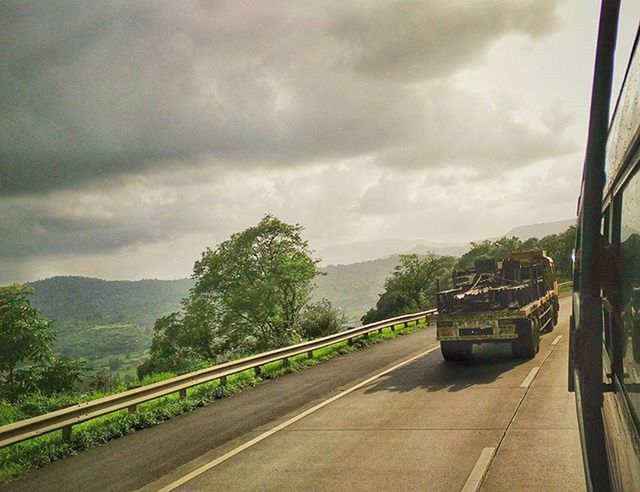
(511,300)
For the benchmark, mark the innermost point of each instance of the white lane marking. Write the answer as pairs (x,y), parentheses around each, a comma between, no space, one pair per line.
(556,340)
(529,378)
(292,420)
(480,468)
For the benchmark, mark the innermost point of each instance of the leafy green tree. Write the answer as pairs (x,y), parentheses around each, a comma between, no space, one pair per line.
(61,374)
(412,286)
(560,248)
(492,249)
(25,337)
(321,319)
(248,297)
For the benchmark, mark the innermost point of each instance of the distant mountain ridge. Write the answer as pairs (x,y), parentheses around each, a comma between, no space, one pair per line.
(540,230)
(347,254)
(350,253)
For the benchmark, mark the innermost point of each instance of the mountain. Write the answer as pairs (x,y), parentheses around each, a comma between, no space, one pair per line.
(354,288)
(108,301)
(109,323)
(345,254)
(540,230)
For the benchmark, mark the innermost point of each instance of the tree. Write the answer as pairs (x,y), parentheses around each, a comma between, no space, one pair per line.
(114,363)
(25,337)
(61,374)
(490,250)
(412,286)
(248,297)
(321,319)
(558,246)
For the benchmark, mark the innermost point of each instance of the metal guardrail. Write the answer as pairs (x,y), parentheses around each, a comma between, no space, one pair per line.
(65,418)
(564,284)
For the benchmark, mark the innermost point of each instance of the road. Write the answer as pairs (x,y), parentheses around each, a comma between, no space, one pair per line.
(393,416)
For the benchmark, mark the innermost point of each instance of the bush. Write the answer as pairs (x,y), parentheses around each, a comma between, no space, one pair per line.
(321,319)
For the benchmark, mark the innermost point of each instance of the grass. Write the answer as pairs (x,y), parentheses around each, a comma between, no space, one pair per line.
(19,458)
(565,290)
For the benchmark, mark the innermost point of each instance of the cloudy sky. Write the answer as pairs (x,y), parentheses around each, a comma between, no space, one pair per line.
(135,134)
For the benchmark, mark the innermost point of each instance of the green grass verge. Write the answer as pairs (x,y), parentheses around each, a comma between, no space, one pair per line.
(19,458)
(565,290)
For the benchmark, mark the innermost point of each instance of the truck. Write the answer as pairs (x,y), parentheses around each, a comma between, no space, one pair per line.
(510,300)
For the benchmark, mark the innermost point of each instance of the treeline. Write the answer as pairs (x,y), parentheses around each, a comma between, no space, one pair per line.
(558,246)
(412,285)
(104,302)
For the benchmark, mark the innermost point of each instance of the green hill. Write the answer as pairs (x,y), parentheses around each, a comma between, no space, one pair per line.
(355,288)
(107,301)
(108,323)
(97,319)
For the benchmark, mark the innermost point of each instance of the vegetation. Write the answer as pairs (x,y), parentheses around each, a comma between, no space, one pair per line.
(93,301)
(411,287)
(558,246)
(251,294)
(37,452)
(26,361)
(354,288)
(101,321)
(321,319)
(80,339)
(24,335)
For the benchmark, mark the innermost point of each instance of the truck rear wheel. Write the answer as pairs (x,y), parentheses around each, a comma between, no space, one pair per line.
(528,342)
(452,351)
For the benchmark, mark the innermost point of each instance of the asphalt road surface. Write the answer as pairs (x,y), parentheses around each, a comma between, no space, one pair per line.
(393,416)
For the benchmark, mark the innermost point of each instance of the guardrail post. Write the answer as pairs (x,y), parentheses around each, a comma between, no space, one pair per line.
(393,327)
(285,362)
(366,335)
(310,354)
(132,408)
(183,393)
(66,434)
(350,341)
(256,370)
(223,380)
(380,331)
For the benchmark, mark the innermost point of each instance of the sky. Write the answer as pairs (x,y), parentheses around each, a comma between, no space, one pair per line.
(136,134)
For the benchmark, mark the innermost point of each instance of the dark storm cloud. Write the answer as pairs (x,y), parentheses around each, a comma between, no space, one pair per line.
(90,90)
(414,39)
(31,230)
